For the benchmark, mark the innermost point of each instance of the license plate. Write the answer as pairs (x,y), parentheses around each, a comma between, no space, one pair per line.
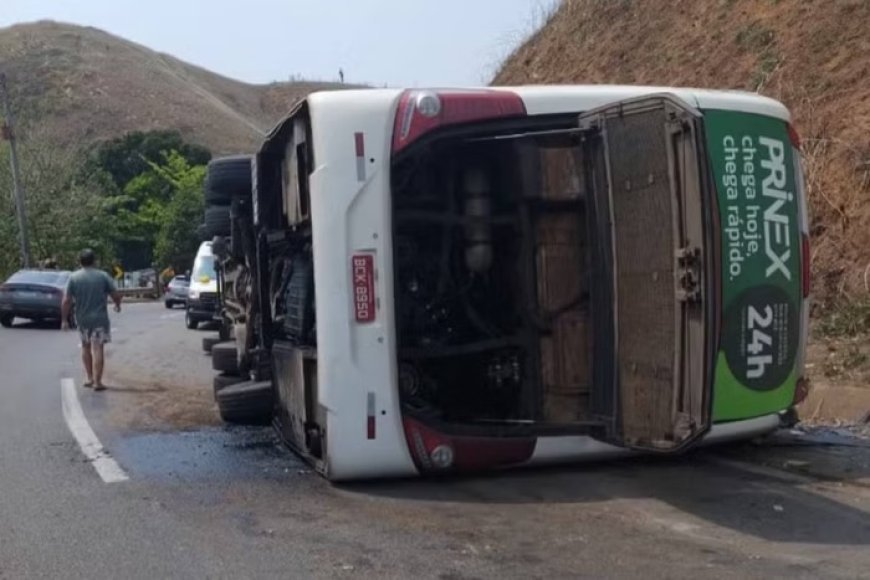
(363,274)
(21,294)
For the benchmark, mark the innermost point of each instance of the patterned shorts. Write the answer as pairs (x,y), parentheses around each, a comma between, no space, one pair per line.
(93,336)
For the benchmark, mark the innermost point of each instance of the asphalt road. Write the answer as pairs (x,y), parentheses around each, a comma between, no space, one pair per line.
(205,501)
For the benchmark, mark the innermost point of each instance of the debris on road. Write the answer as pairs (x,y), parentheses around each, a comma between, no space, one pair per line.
(834,452)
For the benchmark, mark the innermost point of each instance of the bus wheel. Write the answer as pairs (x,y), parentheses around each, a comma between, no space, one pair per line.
(247,403)
(208,342)
(225,358)
(217,220)
(224,380)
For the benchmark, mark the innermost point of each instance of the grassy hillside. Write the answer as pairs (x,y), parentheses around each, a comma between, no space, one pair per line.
(812,54)
(83,85)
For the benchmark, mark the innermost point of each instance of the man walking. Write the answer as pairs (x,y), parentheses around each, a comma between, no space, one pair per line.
(89,289)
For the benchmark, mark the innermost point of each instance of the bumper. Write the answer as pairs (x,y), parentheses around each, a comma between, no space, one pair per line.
(201,310)
(30,311)
(563,450)
(580,448)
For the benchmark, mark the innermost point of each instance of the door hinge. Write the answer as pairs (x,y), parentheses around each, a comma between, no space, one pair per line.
(688,272)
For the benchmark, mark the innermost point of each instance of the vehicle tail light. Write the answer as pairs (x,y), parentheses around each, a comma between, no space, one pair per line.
(422,111)
(794,137)
(436,452)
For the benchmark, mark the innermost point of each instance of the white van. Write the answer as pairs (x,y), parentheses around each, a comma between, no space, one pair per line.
(202,296)
(452,280)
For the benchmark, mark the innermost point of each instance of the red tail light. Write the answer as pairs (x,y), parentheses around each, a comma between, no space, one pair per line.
(422,111)
(434,451)
(794,137)
(805,264)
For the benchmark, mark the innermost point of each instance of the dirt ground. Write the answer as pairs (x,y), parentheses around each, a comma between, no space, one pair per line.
(839,371)
(159,365)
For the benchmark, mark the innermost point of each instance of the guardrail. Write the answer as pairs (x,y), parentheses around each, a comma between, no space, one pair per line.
(142,293)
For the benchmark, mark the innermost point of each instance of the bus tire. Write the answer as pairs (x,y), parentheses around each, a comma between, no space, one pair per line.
(224,380)
(246,403)
(225,358)
(208,342)
(217,221)
(227,177)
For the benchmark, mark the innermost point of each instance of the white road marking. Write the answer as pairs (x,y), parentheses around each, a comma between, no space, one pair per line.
(107,468)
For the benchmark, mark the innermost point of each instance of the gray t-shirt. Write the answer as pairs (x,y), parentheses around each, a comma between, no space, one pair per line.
(90,289)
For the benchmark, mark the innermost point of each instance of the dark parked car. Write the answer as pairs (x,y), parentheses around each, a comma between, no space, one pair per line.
(176,291)
(33,294)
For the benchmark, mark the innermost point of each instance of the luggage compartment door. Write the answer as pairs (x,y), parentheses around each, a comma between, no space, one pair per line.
(651,293)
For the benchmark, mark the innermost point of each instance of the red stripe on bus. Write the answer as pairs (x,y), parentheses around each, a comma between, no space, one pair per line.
(360,144)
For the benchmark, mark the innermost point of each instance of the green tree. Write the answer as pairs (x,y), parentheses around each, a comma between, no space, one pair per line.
(137,213)
(139,191)
(66,208)
(176,239)
(144,203)
(127,157)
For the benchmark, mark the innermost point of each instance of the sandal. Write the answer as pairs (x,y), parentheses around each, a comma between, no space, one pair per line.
(88,384)
(99,387)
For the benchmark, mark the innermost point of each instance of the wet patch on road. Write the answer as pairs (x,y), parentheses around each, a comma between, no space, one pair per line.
(213,454)
(824,453)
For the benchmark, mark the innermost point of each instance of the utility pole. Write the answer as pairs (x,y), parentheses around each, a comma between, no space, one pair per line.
(7,133)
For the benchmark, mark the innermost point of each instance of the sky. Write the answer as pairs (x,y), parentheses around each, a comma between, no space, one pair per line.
(381,42)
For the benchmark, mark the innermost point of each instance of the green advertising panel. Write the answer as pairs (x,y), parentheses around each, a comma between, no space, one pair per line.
(752,161)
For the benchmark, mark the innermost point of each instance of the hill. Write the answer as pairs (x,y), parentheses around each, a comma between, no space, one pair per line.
(81,85)
(814,55)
